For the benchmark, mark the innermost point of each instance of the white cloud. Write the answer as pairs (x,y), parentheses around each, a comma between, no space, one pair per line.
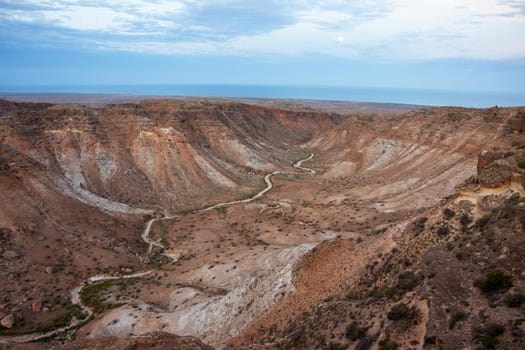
(445,29)
(88,18)
(391,29)
(118,17)
(413,29)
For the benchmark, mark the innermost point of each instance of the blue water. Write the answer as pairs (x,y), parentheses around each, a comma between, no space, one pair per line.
(334,93)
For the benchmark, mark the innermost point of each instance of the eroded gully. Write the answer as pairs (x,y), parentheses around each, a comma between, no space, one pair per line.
(76,298)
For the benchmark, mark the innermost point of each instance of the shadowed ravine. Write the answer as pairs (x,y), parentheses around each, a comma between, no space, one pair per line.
(76,298)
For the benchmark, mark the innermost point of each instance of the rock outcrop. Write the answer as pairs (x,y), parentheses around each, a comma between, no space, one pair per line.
(496,168)
(493,169)
(517,123)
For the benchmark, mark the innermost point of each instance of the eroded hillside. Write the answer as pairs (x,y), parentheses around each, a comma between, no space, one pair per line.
(78,184)
(318,261)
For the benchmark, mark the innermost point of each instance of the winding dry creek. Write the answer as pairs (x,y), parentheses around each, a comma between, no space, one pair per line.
(76,293)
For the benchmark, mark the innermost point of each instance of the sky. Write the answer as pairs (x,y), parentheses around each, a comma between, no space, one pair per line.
(430,44)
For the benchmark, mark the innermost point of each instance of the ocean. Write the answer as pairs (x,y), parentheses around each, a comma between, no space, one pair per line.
(428,97)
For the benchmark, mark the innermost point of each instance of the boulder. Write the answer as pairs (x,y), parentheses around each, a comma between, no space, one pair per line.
(8,321)
(10,254)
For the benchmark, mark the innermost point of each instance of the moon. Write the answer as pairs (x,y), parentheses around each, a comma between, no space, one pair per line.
(340,39)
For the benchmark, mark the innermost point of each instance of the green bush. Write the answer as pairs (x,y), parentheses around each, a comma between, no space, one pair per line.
(488,335)
(398,312)
(364,344)
(336,346)
(387,344)
(520,161)
(402,311)
(448,213)
(494,282)
(433,340)
(354,331)
(483,221)
(456,317)
(418,225)
(442,230)
(407,281)
(465,220)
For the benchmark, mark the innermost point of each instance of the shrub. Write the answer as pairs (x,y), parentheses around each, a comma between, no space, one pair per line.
(456,317)
(514,300)
(494,282)
(465,220)
(520,161)
(443,230)
(355,332)
(433,340)
(419,224)
(296,336)
(364,344)
(398,312)
(402,311)
(488,335)
(448,213)
(483,221)
(407,281)
(387,344)
(336,346)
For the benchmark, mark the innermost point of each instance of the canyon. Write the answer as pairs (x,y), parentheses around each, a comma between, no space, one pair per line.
(200,223)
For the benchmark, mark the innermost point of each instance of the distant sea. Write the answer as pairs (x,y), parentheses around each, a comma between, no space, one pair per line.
(331,93)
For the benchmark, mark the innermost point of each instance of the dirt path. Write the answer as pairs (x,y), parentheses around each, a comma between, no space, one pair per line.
(299,164)
(269,185)
(76,292)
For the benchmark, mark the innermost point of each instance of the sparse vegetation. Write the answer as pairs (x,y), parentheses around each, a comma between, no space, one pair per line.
(483,221)
(520,160)
(448,213)
(354,331)
(71,311)
(456,317)
(364,344)
(336,346)
(495,281)
(407,281)
(465,220)
(460,255)
(418,225)
(402,311)
(94,294)
(433,340)
(374,237)
(443,230)
(387,344)
(222,210)
(488,335)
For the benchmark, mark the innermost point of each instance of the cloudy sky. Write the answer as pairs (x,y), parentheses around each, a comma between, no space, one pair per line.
(443,44)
